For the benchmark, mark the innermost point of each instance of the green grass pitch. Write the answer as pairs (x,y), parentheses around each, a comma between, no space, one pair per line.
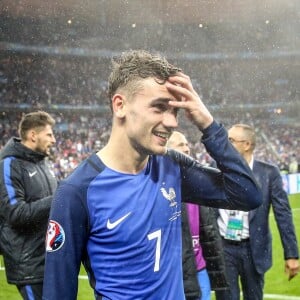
(276,281)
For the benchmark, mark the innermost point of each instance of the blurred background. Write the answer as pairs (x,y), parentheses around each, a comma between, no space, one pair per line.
(243,58)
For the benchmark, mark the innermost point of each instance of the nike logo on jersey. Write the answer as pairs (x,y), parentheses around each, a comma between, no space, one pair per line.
(112,225)
(32,173)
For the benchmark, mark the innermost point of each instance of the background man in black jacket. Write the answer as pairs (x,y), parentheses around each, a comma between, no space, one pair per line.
(26,186)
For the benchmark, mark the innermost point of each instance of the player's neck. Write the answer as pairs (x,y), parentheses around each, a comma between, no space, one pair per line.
(122,159)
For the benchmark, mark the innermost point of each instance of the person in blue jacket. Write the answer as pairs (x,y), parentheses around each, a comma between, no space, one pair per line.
(119,212)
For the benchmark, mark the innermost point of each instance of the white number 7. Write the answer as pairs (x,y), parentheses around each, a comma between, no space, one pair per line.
(156,235)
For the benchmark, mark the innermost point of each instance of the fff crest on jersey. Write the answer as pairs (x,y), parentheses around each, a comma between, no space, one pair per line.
(171,195)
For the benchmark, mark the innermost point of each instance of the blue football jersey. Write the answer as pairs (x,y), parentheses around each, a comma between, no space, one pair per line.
(125,228)
(130,225)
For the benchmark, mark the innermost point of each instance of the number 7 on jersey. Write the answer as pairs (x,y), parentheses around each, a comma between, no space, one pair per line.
(156,235)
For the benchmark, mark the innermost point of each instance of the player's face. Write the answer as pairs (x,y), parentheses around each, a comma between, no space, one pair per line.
(150,120)
(44,140)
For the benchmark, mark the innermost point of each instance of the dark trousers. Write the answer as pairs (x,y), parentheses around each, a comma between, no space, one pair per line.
(240,266)
(31,291)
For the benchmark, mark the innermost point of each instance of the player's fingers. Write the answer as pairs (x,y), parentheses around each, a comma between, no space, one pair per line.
(178,104)
(181,93)
(182,80)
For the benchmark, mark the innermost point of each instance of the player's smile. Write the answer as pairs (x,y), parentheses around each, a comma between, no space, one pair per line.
(163,136)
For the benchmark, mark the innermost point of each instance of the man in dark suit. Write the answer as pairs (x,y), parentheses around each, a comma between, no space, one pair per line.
(246,235)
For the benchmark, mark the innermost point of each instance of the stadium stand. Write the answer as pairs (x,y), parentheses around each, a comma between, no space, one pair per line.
(243,61)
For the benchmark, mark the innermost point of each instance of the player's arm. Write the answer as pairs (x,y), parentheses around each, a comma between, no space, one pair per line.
(231,186)
(63,258)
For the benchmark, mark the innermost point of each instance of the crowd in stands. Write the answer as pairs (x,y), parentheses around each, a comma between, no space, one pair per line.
(78,135)
(55,80)
(73,90)
(46,81)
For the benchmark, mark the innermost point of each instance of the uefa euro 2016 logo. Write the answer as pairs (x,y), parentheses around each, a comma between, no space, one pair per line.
(55,236)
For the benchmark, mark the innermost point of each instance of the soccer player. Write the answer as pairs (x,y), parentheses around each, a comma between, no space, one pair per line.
(119,212)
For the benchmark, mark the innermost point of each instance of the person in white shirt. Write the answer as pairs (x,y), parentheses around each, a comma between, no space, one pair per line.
(246,235)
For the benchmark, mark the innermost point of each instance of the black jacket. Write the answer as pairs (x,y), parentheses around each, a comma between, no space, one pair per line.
(212,250)
(26,186)
(190,281)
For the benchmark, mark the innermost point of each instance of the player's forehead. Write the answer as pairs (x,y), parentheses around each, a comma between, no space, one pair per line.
(155,90)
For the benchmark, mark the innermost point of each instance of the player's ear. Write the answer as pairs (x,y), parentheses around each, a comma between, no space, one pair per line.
(118,105)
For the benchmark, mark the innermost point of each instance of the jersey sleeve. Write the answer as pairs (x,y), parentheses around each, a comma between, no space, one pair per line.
(230,186)
(65,243)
